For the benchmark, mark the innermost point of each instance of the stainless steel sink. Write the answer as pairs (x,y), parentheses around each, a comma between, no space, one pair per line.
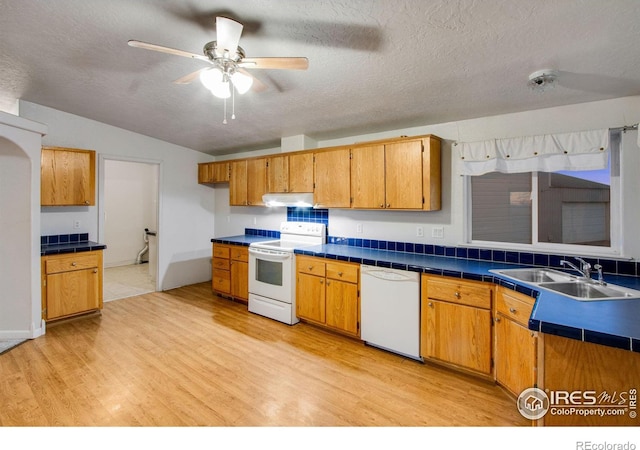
(586,290)
(536,275)
(576,287)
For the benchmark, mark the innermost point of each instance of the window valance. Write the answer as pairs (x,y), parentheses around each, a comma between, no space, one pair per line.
(582,150)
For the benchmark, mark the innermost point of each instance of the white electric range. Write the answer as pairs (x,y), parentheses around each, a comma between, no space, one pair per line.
(272,280)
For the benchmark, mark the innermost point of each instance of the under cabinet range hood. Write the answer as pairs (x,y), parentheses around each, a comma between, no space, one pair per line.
(304,199)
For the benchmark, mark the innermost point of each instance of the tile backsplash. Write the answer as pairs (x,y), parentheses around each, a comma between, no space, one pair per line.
(64,238)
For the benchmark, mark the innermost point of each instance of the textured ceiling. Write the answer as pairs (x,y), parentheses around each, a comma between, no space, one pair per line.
(373,65)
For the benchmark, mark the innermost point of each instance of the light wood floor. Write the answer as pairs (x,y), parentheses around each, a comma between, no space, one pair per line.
(185,357)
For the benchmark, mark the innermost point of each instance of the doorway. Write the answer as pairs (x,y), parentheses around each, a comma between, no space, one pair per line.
(130,224)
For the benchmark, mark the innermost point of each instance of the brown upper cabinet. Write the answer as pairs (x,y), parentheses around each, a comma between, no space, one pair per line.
(247,183)
(387,176)
(404,174)
(67,177)
(213,172)
(290,173)
(398,174)
(331,185)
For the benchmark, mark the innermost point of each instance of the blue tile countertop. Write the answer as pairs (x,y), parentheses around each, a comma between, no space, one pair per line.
(244,239)
(68,243)
(615,323)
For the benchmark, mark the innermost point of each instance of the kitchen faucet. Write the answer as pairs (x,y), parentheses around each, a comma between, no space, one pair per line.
(585,267)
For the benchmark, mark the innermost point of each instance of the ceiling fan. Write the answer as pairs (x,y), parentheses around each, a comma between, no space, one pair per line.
(228,62)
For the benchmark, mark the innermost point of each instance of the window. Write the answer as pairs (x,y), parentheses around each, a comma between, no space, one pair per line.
(573,209)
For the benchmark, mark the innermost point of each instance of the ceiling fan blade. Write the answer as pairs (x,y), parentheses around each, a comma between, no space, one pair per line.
(275,63)
(227,35)
(190,77)
(257,86)
(160,48)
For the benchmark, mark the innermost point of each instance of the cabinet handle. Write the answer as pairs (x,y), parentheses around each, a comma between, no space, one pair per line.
(86,202)
(328,282)
(339,274)
(512,310)
(321,281)
(430,305)
(388,205)
(95,270)
(457,294)
(310,267)
(381,205)
(74,264)
(497,319)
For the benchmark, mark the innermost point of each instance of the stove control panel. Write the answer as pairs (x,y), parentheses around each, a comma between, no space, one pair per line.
(303,228)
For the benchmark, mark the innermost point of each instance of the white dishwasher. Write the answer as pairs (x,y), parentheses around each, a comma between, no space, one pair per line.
(390,310)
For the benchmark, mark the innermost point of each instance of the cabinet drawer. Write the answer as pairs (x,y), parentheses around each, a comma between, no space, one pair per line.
(76,261)
(343,272)
(312,266)
(221,281)
(458,291)
(515,306)
(220,251)
(221,264)
(240,253)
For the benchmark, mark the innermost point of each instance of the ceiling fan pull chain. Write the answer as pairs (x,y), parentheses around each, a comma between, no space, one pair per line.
(225,112)
(233,103)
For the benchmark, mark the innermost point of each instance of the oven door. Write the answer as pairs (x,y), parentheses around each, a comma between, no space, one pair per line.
(271,274)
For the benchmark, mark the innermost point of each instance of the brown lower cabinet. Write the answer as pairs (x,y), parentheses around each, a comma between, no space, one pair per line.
(456,326)
(580,374)
(71,284)
(230,271)
(327,293)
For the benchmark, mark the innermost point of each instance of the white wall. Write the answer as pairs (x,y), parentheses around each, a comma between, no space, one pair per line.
(186,209)
(20,301)
(401,226)
(130,207)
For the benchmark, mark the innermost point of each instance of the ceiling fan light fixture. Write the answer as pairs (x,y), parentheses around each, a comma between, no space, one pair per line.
(214,80)
(241,82)
(543,80)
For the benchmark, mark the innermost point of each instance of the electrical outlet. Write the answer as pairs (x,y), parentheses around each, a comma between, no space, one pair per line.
(359,228)
(76,224)
(437,232)
(419,231)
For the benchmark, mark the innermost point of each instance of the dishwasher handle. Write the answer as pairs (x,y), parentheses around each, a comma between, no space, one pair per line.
(388,275)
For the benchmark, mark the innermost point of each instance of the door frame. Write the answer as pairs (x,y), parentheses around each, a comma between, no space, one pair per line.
(101,201)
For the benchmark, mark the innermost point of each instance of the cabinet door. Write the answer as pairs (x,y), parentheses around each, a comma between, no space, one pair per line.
(256,181)
(238,183)
(457,334)
(74,292)
(332,179)
(219,172)
(403,175)
(342,306)
(240,280)
(431,174)
(205,173)
(516,355)
(278,174)
(301,172)
(67,177)
(367,177)
(310,297)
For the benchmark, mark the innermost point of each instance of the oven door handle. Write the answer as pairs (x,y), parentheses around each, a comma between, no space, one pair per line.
(269,254)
